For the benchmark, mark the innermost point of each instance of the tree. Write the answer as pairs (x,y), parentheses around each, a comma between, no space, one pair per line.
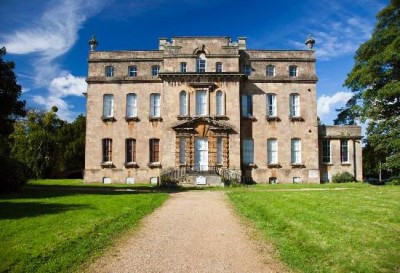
(375,82)
(13,172)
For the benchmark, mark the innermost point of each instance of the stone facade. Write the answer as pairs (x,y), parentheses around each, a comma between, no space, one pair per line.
(207,103)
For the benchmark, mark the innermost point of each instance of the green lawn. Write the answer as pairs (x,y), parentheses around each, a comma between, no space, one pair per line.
(56,229)
(352,230)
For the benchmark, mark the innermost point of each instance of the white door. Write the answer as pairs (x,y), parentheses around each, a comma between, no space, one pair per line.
(201,154)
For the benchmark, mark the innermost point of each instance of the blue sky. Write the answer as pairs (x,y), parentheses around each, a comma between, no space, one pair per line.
(48,40)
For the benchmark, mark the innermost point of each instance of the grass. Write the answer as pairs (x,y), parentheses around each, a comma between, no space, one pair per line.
(352,230)
(48,228)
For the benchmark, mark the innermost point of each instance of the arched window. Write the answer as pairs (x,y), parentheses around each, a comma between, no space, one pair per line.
(183,103)
(270,71)
(201,63)
(293,71)
(220,103)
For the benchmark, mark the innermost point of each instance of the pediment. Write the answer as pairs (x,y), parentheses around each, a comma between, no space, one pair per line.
(214,125)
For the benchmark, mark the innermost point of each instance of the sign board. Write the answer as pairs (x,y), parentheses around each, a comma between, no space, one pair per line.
(201,180)
(130,180)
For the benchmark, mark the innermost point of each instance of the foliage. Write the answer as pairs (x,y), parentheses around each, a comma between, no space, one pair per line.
(342,177)
(57,229)
(14,174)
(350,230)
(10,107)
(375,81)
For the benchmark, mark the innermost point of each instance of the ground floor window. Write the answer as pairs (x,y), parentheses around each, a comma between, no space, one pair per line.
(107,150)
(130,150)
(154,150)
(248,151)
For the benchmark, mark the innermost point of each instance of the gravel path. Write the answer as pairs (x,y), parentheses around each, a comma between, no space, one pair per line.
(194,231)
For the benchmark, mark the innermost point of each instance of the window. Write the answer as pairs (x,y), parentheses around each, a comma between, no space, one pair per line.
(201,102)
(131,105)
(247,105)
(296,180)
(218,67)
(296,151)
(108,106)
(109,71)
(295,105)
(154,150)
(326,177)
(182,150)
(132,71)
(201,63)
(220,105)
(326,151)
(130,150)
(183,67)
(183,103)
(107,150)
(292,71)
(270,71)
(155,105)
(344,151)
(272,151)
(273,180)
(247,70)
(248,151)
(219,151)
(271,105)
(155,69)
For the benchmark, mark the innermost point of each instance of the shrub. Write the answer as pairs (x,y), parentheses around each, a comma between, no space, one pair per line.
(342,177)
(14,175)
(395,181)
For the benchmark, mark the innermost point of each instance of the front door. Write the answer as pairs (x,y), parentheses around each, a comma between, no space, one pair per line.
(201,154)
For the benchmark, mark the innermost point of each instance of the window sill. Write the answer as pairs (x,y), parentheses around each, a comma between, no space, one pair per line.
(327,163)
(136,119)
(131,165)
(296,119)
(274,165)
(105,119)
(180,117)
(252,118)
(155,119)
(273,118)
(345,163)
(221,117)
(250,165)
(107,164)
(298,165)
(154,165)
(219,164)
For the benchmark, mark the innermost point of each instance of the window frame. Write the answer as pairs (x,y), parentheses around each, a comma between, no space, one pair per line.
(269,72)
(218,67)
(294,101)
(130,148)
(155,69)
(344,151)
(183,103)
(110,113)
(106,150)
(154,150)
(272,151)
(272,107)
(295,151)
(326,151)
(293,71)
(183,67)
(247,106)
(202,104)
(248,151)
(132,71)
(201,63)
(219,103)
(109,71)
(220,151)
(247,70)
(134,113)
(182,150)
(155,109)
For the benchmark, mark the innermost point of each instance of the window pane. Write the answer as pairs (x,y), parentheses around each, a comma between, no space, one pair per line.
(154,150)
(201,102)
(131,106)
(109,71)
(200,65)
(271,105)
(218,67)
(155,69)
(219,150)
(183,103)
(220,103)
(295,105)
(247,105)
(270,71)
(130,150)
(183,67)
(272,147)
(108,105)
(326,151)
(107,150)
(344,151)
(132,71)
(248,151)
(155,105)
(296,151)
(182,150)
(293,71)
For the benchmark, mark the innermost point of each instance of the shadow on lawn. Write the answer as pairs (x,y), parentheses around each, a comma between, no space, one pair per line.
(17,210)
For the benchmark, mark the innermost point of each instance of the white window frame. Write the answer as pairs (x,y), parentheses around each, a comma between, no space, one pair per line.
(295,151)
(344,151)
(270,70)
(247,105)
(183,103)
(131,105)
(182,150)
(272,110)
(109,71)
(294,105)
(132,71)
(155,69)
(272,151)
(220,103)
(248,151)
(201,63)
(220,145)
(201,103)
(155,105)
(293,71)
(108,106)
(326,151)
(183,67)
(218,67)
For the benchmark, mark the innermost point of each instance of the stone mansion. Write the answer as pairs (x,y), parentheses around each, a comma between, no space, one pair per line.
(209,107)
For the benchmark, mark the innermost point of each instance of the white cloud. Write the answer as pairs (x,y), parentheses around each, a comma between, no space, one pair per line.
(326,103)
